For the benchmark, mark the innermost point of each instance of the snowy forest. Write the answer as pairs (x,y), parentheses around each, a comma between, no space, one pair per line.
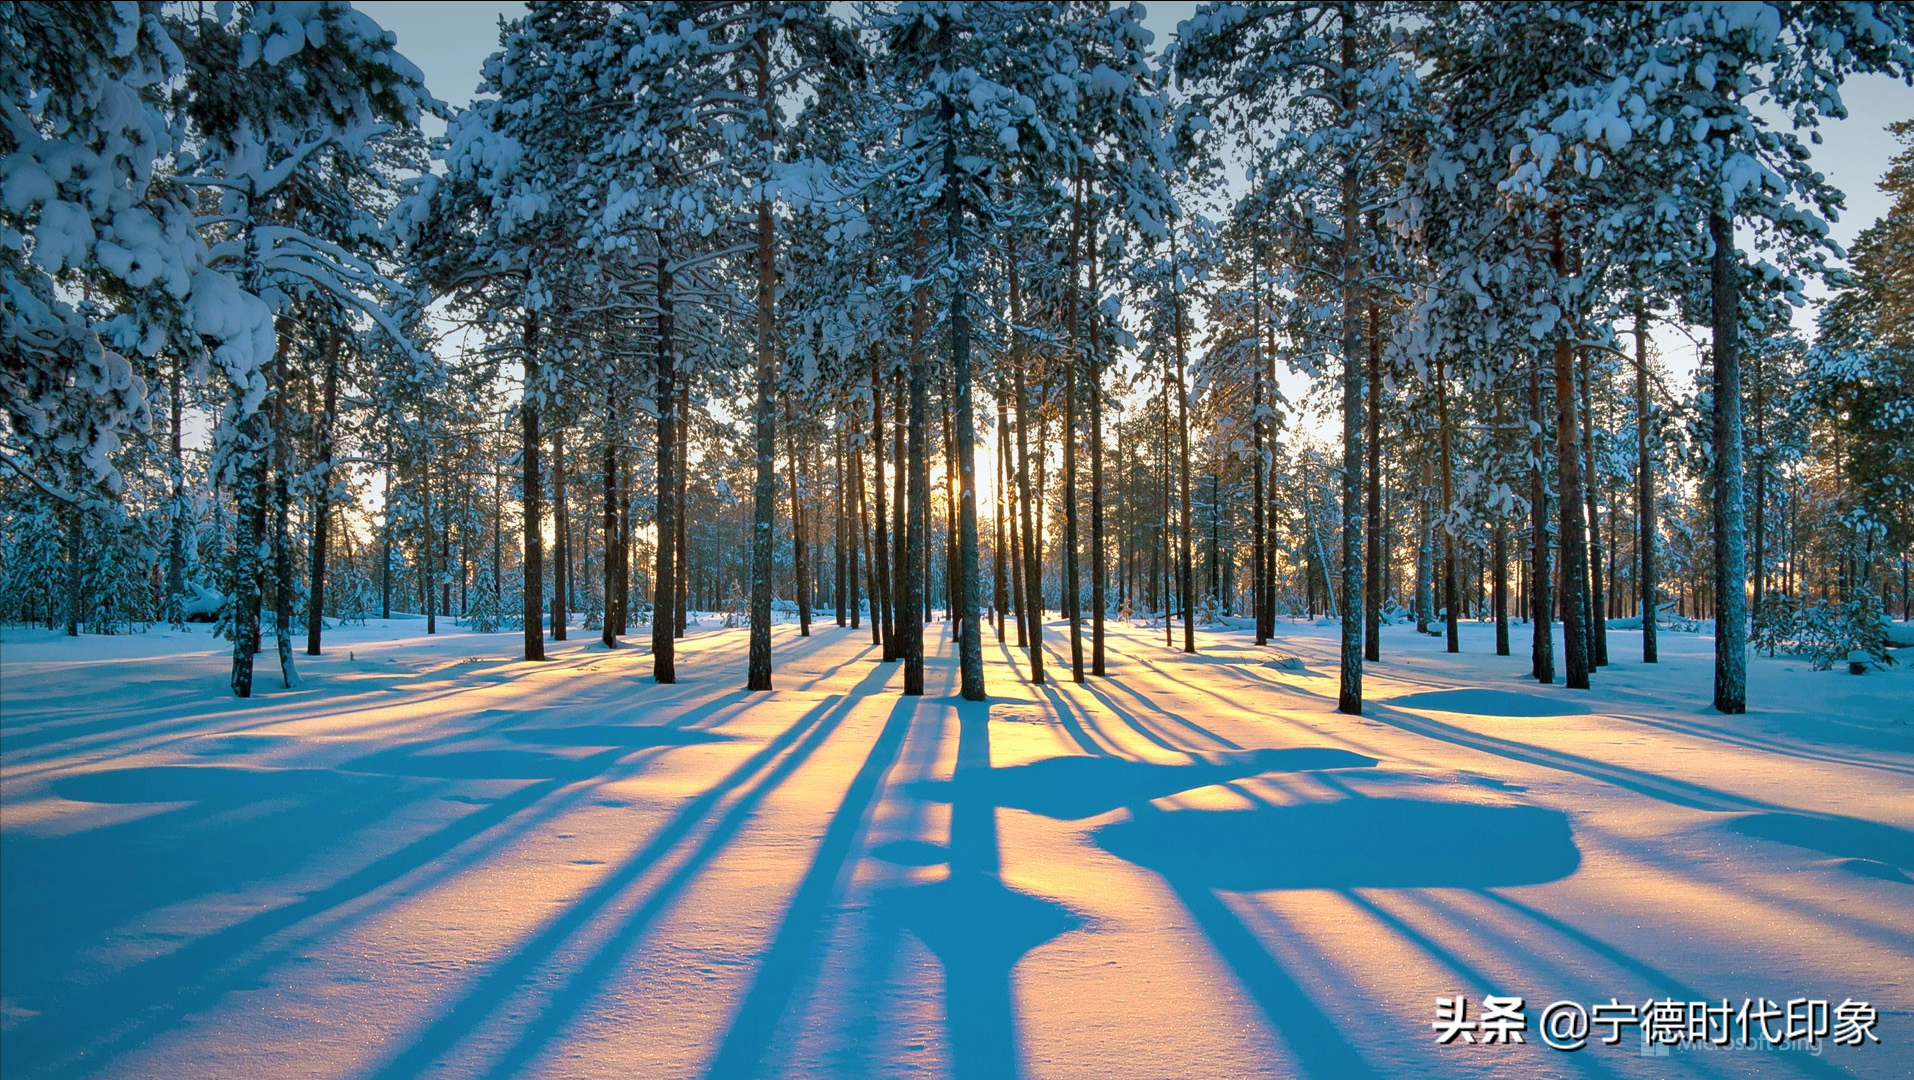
(765,309)
(1303,361)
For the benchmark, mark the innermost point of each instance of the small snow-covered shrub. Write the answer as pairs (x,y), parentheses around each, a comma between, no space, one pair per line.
(1819,635)
(1866,627)
(1209,610)
(1774,622)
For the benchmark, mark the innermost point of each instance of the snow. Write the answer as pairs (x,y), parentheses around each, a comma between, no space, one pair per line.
(435,858)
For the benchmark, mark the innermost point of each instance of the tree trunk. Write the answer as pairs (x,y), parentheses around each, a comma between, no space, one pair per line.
(322,497)
(1451,601)
(840,500)
(1258,510)
(385,549)
(1032,568)
(1597,611)
(1186,577)
(664,576)
(970,650)
(1568,455)
(1730,539)
(1349,690)
(1644,489)
(1072,359)
(176,516)
(1098,593)
(1541,600)
(614,552)
(681,453)
(561,537)
(883,623)
(1372,583)
(764,501)
(999,517)
(800,555)
(534,505)
(910,612)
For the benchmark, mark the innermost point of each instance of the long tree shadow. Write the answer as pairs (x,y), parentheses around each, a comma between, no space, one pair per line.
(976,925)
(96,1021)
(1349,844)
(494,990)
(789,965)
(1342,845)
(1075,786)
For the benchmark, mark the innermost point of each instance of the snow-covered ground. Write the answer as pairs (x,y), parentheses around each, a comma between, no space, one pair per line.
(435,860)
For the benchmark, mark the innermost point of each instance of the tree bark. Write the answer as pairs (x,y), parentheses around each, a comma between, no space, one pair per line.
(533,497)
(1730,537)
(322,498)
(970,649)
(764,500)
(1098,591)
(883,621)
(1372,497)
(1186,578)
(1072,359)
(1541,600)
(800,555)
(1349,688)
(1645,490)
(1597,611)
(1032,568)
(838,516)
(1451,601)
(561,537)
(1568,455)
(664,578)
(910,612)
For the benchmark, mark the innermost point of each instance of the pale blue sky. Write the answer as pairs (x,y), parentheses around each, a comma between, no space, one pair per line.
(450,40)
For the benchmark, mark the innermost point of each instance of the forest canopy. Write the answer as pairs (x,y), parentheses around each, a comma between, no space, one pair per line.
(790,310)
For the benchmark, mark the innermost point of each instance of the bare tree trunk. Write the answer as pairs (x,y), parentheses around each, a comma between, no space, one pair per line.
(763,521)
(322,498)
(1098,593)
(800,560)
(176,514)
(901,511)
(1072,359)
(883,622)
(1500,556)
(613,618)
(534,504)
(1186,581)
(999,597)
(1541,602)
(838,516)
(1451,614)
(664,577)
(561,536)
(282,573)
(970,651)
(1574,540)
(1597,616)
(1032,568)
(1349,690)
(1730,539)
(681,454)
(916,539)
(1258,510)
(1372,583)
(950,521)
